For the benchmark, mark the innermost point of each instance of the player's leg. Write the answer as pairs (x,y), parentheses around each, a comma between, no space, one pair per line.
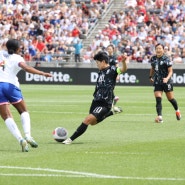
(6,92)
(158,91)
(89,120)
(12,126)
(172,100)
(17,101)
(96,115)
(26,123)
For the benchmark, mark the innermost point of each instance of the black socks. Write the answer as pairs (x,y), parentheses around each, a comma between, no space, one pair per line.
(80,130)
(158,106)
(174,103)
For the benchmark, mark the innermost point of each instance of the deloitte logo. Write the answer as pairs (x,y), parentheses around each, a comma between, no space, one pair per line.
(178,79)
(57,77)
(123,78)
(126,78)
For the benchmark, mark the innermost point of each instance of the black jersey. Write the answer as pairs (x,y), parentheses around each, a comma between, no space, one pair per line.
(105,85)
(112,60)
(160,66)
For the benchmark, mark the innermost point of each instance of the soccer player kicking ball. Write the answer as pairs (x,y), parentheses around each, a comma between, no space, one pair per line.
(103,94)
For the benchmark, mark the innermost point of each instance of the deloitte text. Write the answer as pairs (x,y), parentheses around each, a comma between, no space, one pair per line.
(123,78)
(57,77)
(178,79)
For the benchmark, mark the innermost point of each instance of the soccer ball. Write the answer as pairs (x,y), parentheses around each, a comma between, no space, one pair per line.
(60,134)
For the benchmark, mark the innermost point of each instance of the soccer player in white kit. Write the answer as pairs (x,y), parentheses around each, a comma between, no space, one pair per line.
(10,64)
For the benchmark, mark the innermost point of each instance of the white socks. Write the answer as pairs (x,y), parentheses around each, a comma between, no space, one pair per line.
(11,125)
(25,120)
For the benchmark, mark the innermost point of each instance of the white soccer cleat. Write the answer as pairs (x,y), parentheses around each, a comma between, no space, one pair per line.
(24,145)
(159,119)
(68,141)
(116,110)
(32,142)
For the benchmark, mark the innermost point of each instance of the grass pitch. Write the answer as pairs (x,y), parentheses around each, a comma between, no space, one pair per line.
(125,149)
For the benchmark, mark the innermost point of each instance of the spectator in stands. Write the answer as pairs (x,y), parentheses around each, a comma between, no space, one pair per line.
(105,42)
(149,4)
(88,55)
(76,32)
(37,58)
(85,9)
(139,58)
(130,4)
(27,57)
(116,40)
(84,26)
(61,47)
(48,56)
(50,47)
(177,59)
(114,31)
(78,47)
(40,46)
(159,4)
(35,17)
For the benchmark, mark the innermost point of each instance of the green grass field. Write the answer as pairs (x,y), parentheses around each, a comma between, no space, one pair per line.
(125,149)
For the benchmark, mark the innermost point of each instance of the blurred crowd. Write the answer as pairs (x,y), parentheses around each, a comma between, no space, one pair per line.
(141,24)
(51,29)
(47,29)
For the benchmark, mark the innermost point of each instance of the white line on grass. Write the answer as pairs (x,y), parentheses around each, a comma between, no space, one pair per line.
(80,174)
(85,174)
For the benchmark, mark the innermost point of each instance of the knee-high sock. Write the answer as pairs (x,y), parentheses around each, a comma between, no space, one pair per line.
(174,103)
(25,120)
(12,127)
(79,131)
(159,106)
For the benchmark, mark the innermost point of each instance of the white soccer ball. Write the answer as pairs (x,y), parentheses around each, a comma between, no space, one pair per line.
(60,134)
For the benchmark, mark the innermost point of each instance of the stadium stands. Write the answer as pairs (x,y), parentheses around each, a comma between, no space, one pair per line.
(135,29)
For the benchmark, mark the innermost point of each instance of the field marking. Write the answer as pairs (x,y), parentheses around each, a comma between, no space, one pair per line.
(118,153)
(84,174)
(76,174)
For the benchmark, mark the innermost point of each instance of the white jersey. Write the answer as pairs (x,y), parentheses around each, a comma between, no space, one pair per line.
(9,67)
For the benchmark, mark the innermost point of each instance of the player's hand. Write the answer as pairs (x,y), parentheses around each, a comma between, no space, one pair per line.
(165,80)
(122,58)
(47,74)
(151,80)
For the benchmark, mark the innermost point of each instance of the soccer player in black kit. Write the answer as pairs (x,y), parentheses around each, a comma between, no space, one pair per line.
(103,94)
(160,75)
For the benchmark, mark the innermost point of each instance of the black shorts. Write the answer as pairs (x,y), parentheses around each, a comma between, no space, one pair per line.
(163,87)
(99,110)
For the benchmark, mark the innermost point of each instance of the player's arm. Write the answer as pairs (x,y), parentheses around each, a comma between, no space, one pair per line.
(32,70)
(124,61)
(151,74)
(170,72)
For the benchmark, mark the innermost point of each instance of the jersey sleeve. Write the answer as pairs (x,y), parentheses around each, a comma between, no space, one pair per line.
(168,62)
(19,60)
